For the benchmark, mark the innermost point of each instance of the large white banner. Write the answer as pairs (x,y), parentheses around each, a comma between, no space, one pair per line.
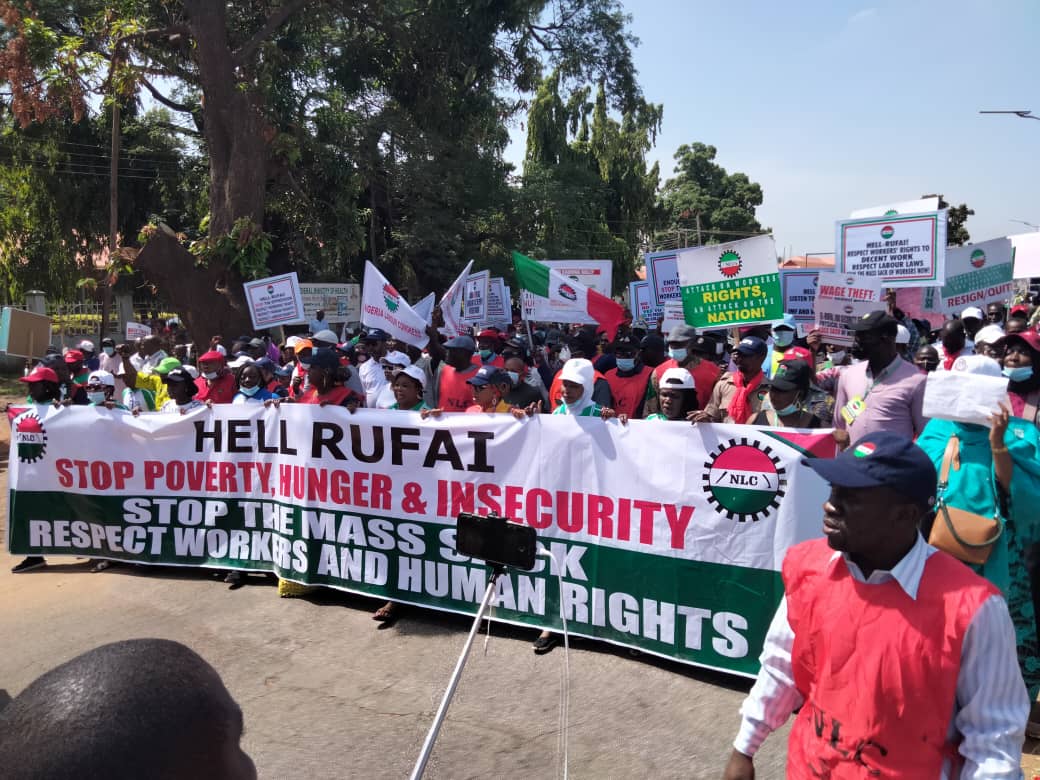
(681,562)
(903,251)
(276,300)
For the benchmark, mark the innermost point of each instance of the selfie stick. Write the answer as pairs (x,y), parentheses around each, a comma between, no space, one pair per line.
(442,711)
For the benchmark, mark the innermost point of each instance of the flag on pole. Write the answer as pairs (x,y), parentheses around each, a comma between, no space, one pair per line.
(424,308)
(451,305)
(566,296)
(383,307)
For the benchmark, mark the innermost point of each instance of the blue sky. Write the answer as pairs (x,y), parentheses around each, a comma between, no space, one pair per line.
(833,106)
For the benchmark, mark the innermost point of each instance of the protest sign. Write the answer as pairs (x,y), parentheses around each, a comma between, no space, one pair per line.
(799,289)
(475,297)
(135,331)
(895,209)
(24,333)
(969,398)
(383,307)
(737,283)
(367,503)
(662,272)
(902,251)
(499,312)
(340,302)
(451,304)
(672,314)
(1026,252)
(276,300)
(842,299)
(641,303)
(976,275)
(595,274)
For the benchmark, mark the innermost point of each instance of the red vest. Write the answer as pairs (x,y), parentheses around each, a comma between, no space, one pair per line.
(556,389)
(220,391)
(337,396)
(453,394)
(628,391)
(878,669)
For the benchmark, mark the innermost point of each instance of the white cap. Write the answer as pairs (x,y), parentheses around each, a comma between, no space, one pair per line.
(191,370)
(973,312)
(415,373)
(325,335)
(86,346)
(989,334)
(100,377)
(292,341)
(977,364)
(677,378)
(396,359)
(238,362)
(902,334)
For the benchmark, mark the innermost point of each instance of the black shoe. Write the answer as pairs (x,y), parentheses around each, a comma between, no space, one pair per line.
(235,580)
(544,644)
(30,563)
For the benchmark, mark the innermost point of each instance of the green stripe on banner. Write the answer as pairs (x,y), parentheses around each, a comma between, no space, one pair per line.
(704,613)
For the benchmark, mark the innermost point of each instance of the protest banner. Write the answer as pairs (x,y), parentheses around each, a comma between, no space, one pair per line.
(475,297)
(136,330)
(799,291)
(276,300)
(662,272)
(903,251)
(595,274)
(24,333)
(737,283)
(499,313)
(383,307)
(681,562)
(894,209)
(641,303)
(1026,252)
(340,302)
(424,308)
(451,305)
(976,275)
(840,300)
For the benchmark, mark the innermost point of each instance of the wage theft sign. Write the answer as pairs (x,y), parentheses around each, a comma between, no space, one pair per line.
(902,250)
(682,562)
(731,284)
(842,299)
(976,275)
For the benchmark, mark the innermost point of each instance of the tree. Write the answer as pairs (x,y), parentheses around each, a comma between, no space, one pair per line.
(261,84)
(706,201)
(956,216)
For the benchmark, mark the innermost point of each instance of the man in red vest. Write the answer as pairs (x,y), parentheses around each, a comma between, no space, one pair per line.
(453,394)
(899,659)
(630,381)
(694,353)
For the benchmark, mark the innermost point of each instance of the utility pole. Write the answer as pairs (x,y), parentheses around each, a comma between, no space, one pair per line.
(113,218)
(699,242)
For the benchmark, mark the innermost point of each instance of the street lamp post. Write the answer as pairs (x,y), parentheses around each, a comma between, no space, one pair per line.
(1027,224)
(1023,114)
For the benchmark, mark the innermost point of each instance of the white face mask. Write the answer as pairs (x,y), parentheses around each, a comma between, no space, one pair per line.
(565,354)
(96,397)
(210,375)
(838,357)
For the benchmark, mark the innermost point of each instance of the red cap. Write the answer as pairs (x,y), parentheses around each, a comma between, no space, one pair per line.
(1030,337)
(40,374)
(211,355)
(73,356)
(489,333)
(1020,308)
(798,353)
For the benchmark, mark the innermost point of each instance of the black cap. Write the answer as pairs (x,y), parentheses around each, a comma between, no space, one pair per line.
(703,345)
(179,375)
(873,321)
(792,375)
(881,459)
(375,334)
(324,358)
(488,375)
(650,341)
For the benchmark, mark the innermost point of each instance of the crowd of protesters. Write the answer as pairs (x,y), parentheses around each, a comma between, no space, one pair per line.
(764,375)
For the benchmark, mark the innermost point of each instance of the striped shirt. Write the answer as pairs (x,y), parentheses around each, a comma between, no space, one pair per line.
(992,705)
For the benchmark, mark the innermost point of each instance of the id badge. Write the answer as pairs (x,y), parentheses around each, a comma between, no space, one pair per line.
(853,409)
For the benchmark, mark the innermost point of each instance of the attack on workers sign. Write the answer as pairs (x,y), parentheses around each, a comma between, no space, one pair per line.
(731,284)
(668,538)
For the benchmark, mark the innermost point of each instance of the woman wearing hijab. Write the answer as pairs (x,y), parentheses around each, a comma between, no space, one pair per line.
(578,378)
(996,471)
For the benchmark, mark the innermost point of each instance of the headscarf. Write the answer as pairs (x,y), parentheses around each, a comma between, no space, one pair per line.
(578,370)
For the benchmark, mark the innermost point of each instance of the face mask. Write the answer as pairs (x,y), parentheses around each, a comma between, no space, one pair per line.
(783,338)
(485,354)
(515,377)
(626,364)
(788,410)
(678,355)
(96,397)
(565,354)
(210,375)
(305,366)
(1020,374)
(838,357)
(249,391)
(110,351)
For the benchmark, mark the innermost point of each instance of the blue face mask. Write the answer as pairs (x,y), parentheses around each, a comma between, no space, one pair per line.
(96,397)
(249,391)
(626,364)
(678,355)
(1020,374)
(783,338)
(788,410)
(514,377)
(485,354)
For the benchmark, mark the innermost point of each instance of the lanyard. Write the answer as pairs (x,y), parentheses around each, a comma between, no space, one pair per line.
(881,377)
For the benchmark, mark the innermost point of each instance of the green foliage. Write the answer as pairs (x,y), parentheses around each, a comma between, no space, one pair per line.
(244,249)
(704,199)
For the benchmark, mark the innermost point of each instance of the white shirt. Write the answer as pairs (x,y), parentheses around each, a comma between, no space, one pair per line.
(373,380)
(172,407)
(991,706)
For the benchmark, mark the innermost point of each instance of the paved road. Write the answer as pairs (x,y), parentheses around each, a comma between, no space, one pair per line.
(328,695)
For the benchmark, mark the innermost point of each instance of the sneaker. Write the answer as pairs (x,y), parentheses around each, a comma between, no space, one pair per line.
(30,563)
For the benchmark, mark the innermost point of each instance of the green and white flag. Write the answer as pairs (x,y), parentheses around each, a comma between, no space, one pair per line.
(731,284)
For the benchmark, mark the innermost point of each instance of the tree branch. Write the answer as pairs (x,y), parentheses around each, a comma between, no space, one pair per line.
(179,129)
(182,107)
(274,21)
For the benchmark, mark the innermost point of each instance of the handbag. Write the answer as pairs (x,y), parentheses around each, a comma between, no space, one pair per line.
(966,536)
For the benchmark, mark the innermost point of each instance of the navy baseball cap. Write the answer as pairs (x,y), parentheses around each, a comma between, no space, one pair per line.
(373,334)
(488,375)
(881,459)
(752,345)
(461,342)
(324,358)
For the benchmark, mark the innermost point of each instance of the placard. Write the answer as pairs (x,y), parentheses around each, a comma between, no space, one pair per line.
(475,297)
(840,300)
(276,300)
(1026,253)
(736,283)
(902,251)
(24,333)
(976,275)
(895,209)
(662,272)
(498,311)
(137,330)
(641,302)
(595,274)
(799,291)
(340,302)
